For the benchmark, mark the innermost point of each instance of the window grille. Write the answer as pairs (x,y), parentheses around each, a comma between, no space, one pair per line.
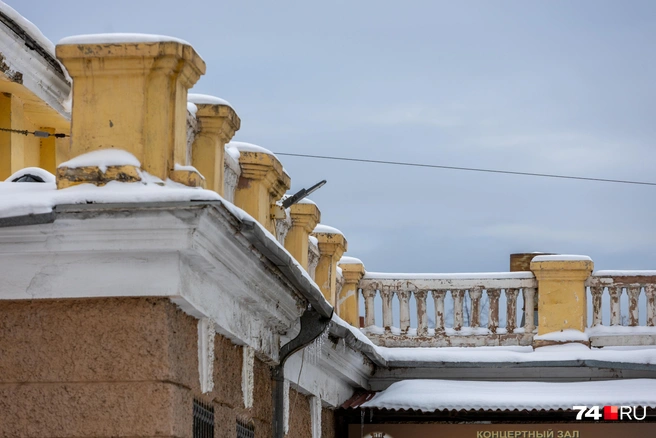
(245,430)
(203,420)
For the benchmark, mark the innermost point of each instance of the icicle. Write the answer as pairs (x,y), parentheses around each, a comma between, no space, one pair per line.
(315,348)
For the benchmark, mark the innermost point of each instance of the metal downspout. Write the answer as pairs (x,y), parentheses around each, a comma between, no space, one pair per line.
(312,325)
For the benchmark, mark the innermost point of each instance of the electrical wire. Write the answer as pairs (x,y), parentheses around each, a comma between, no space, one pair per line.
(40,134)
(469,169)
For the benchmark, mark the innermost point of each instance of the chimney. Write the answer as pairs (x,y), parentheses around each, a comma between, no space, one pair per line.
(129,94)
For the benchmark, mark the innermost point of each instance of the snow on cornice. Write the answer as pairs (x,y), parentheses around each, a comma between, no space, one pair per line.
(29,27)
(120,38)
(325,229)
(249,147)
(206,99)
(432,395)
(102,159)
(346,260)
(28,51)
(562,258)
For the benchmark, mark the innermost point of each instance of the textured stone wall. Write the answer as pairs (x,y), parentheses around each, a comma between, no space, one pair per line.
(121,367)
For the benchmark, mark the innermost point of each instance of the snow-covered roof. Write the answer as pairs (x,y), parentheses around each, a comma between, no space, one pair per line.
(520,354)
(432,395)
(119,38)
(206,99)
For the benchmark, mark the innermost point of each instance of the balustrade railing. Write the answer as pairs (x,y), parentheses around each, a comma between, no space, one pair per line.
(617,283)
(467,308)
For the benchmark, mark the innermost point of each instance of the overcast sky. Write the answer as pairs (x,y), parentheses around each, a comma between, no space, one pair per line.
(552,87)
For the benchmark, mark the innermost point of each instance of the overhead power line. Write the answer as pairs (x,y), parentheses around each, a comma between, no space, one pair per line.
(40,134)
(469,169)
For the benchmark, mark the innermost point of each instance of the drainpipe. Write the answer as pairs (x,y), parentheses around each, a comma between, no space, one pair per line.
(313,324)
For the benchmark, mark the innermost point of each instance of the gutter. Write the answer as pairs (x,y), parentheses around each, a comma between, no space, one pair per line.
(356,344)
(313,324)
(283,261)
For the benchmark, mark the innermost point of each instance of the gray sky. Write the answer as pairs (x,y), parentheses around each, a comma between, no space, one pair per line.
(552,86)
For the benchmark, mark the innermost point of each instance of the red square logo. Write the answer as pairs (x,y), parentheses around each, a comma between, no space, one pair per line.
(610,413)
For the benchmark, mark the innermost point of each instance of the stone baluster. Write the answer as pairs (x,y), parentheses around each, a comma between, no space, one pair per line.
(596,292)
(369,294)
(475,295)
(493,320)
(458,296)
(615,315)
(634,293)
(404,309)
(438,298)
(650,292)
(511,309)
(529,309)
(387,294)
(422,314)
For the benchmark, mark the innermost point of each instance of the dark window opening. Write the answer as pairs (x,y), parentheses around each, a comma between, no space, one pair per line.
(203,420)
(245,430)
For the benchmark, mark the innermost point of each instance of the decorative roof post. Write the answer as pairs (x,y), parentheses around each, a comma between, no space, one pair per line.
(348,303)
(130,94)
(562,294)
(262,182)
(305,216)
(12,144)
(332,245)
(218,123)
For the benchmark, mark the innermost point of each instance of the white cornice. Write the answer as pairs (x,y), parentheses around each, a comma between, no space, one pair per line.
(191,254)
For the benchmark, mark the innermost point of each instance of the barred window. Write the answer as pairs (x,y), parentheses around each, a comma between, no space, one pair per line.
(245,430)
(203,420)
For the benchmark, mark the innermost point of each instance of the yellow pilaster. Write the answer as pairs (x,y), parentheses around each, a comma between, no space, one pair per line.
(348,305)
(218,123)
(305,216)
(12,144)
(562,296)
(48,151)
(262,182)
(332,246)
(132,96)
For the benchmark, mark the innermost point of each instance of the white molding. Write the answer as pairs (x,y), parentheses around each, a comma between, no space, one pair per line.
(206,354)
(190,254)
(285,407)
(315,415)
(247,376)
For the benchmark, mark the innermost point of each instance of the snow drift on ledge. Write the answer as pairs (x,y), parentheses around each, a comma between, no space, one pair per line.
(432,395)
